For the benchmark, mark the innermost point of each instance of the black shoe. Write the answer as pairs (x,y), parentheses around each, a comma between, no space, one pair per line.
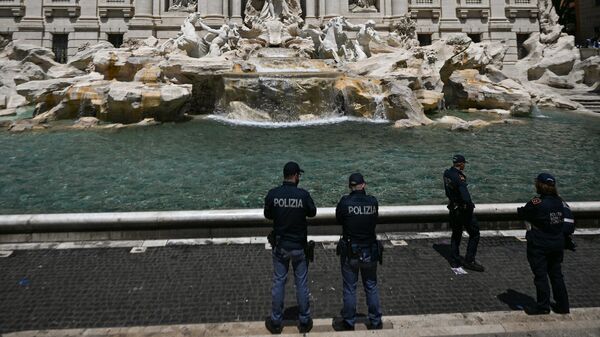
(534,311)
(340,325)
(273,328)
(375,327)
(474,266)
(559,310)
(305,327)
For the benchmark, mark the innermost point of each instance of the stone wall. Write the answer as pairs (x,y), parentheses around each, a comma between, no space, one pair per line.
(90,21)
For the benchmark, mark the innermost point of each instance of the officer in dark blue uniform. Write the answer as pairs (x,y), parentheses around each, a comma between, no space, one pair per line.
(550,222)
(461,214)
(288,206)
(359,251)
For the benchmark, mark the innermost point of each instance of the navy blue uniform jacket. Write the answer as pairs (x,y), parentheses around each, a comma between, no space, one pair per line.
(288,206)
(357,213)
(455,184)
(551,220)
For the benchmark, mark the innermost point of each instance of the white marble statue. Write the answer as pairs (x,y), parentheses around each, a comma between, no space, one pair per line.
(187,39)
(550,29)
(261,11)
(404,35)
(362,6)
(336,44)
(222,40)
(366,33)
(214,43)
(184,6)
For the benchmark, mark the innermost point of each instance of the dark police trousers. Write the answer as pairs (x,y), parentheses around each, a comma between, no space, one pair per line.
(545,263)
(351,267)
(281,265)
(460,219)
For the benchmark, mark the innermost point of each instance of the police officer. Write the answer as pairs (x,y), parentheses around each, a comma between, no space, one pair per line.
(550,222)
(359,251)
(461,214)
(288,206)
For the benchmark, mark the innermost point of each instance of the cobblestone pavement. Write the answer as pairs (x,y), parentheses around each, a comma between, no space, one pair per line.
(110,287)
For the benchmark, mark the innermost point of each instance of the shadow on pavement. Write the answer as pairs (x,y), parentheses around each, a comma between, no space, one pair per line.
(516,300)
(444,250)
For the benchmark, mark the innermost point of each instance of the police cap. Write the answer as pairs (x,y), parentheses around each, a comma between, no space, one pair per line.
(459,158)
(356,179)
(291,168)
(546,178)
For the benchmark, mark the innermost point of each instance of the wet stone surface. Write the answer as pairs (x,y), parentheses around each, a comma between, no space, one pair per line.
(77,288)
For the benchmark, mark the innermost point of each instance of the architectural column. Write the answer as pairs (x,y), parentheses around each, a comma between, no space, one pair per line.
(141,25)
(236,11)
(87,27)
(449,22)
(500,29)
(332,9)
(143,8)
(399,8)
(31,27)
(213,11)
(311,13)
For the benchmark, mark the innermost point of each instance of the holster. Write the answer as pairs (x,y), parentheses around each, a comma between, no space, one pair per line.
(569,243)
(309,252)
(272,238)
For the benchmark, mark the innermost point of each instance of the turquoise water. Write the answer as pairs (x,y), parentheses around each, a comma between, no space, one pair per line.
(206,164)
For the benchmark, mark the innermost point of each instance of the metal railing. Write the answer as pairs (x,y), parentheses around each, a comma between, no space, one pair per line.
(240,218)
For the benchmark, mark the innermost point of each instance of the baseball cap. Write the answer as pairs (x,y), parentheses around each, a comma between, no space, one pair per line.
(356,179)
(458,158)
(546,178)
(292,168)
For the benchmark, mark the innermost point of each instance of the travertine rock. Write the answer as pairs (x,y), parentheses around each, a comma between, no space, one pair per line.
(551,79)
(51,91)
(468,89)
(431,100)
(401,103)
(131,102)
(183,69)
(82,59)
(86,123)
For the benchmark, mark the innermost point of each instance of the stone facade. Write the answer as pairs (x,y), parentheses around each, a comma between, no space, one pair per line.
(45,22)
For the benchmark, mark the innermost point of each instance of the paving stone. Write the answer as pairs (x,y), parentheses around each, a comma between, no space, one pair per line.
(109,287)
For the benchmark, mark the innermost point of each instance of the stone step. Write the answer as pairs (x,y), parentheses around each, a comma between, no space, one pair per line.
(582,322)
(585,99)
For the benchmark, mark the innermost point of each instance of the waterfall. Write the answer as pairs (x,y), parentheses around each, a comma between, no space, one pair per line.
(536,113)
(379,107)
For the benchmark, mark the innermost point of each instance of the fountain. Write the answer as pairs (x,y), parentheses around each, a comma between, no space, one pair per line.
(273,68)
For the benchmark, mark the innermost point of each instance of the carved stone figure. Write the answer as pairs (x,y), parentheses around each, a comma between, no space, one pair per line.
(261,11)
(550,29)
(278,21)
(184,6)
(223,39)
(362,6)
(335,43)
(366,33)
(404,34)
(187,39)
